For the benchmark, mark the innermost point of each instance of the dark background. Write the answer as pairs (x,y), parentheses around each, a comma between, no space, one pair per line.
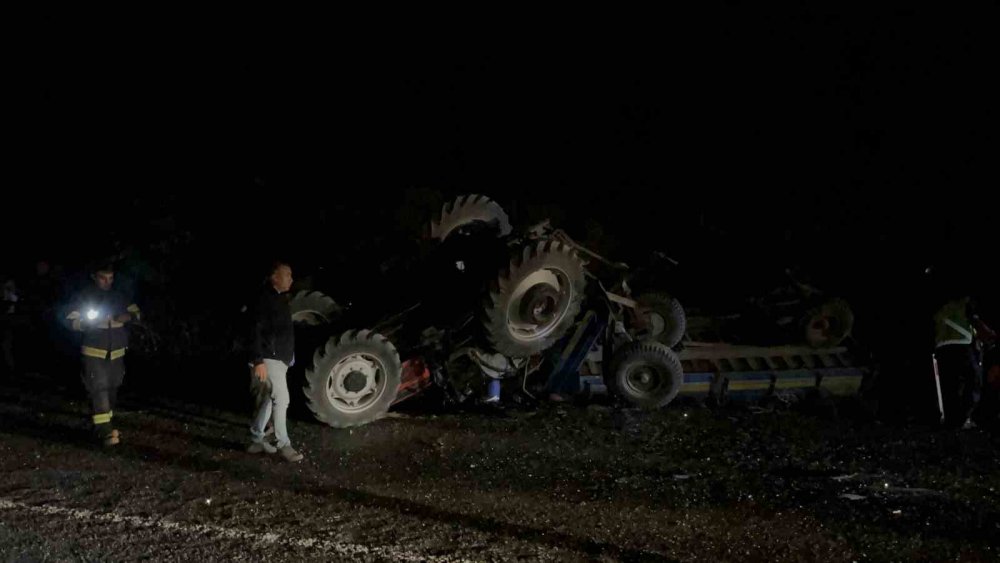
(860,147)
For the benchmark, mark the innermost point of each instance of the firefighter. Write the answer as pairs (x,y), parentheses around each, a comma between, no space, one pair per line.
(100,312)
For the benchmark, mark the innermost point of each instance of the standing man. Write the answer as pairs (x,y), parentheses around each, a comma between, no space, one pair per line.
(273,354)
(101,313)
(8,325)
(957,327)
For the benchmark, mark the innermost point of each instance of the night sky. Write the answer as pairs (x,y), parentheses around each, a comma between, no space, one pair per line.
(747,138)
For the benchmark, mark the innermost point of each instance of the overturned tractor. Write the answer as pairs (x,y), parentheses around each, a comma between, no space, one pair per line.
(502,299)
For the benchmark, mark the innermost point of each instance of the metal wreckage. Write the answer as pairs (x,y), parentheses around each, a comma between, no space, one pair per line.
(487,301)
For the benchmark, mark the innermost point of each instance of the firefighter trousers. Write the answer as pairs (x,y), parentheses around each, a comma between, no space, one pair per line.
(102,378)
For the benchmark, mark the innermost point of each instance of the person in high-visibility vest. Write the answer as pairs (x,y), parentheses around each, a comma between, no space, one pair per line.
(101,312)
(955,333)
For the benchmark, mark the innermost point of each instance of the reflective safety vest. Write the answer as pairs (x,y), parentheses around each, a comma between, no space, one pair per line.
(952,325)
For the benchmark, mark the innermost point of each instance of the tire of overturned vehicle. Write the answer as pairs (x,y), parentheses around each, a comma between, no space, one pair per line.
(536,300)
(829,324)
(313,308)
(468,210)
(647,374)
(665,319)
(354,379)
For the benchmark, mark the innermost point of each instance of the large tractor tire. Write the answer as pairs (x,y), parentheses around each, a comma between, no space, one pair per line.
(353,380)
(313,308)
(665,320)
(828,325)
(535,300)
(646,374)
(468,210)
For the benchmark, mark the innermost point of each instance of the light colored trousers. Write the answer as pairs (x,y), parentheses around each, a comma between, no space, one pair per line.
(273,399)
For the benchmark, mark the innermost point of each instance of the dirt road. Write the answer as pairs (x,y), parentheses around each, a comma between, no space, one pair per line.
(558,483)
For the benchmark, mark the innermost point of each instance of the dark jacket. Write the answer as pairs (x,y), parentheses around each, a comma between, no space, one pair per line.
(273,336)
(101,339)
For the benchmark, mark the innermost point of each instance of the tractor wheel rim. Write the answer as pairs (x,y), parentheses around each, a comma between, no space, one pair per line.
(356,382)
(643,380)
(655,324)
(547,313)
